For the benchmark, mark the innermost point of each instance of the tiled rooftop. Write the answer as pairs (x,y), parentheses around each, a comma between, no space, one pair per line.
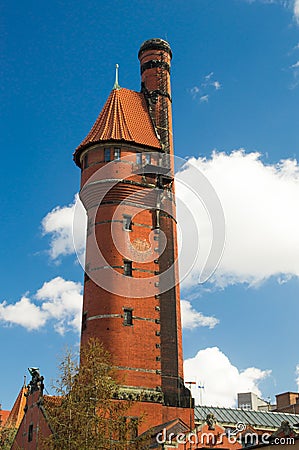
(3,416)
(257,419)
(51,400)
(124,117)
(17,413)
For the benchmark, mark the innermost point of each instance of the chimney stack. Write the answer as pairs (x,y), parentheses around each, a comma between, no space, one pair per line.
(155,57)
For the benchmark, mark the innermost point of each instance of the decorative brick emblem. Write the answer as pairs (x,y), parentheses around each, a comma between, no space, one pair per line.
(141,245)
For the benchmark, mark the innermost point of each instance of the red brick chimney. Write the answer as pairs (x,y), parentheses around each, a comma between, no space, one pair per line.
(155,57)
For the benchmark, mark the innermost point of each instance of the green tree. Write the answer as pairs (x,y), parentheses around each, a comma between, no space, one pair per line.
(7,435)
(84,415)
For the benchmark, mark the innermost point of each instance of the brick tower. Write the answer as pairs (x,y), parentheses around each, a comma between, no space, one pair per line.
(131,291)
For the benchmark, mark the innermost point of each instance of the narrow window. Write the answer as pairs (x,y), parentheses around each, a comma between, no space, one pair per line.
(128,316)
(139,158)
(128,268)
(148,158)
(85,161)
(107,154)
(134,428)
(122,428)
(84,321)
(117,154)
(30,432)
(127,222)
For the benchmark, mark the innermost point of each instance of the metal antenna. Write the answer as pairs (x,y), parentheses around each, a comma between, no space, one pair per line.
(201,387)
(116,85)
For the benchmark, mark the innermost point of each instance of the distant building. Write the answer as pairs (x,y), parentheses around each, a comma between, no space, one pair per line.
(288,402)
(252,428)
(251,401)
(229,417)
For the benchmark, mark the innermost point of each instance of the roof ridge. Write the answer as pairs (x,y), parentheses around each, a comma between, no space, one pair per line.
(115,123)
(126,121)
(110,108)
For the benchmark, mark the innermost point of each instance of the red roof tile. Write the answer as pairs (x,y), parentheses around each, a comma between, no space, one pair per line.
(16,414)
(125,117)
(51,400)
(3,417)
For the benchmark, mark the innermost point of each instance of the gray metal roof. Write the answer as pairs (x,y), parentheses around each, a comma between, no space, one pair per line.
(257,419)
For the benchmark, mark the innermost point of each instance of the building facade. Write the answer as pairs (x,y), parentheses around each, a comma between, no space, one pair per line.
(288,402)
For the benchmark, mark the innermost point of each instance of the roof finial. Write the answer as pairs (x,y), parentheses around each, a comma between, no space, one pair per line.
(116,85)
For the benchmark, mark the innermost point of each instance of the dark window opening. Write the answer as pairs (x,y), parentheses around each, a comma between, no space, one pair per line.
(85,161)
(122,429)
(30,432)
(107,155)
(148,158)
(128,316)
(84,321)
(139,158)
(134,428)
(156,220)
(117,154)
(128,268)
(127,222)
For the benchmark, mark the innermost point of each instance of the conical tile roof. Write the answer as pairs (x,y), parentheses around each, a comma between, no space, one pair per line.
(124,117)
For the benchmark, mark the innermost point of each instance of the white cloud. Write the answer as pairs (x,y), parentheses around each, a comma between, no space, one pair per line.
(216,85)
(192,319)
(261,213)
(62,301)
(221,379)
(59,225)
(58,301)
(295,72)
(209,76)
(292,5)
(204,99)
(205,88)
(297,375)
(24,313)
(260,204)
(195,91)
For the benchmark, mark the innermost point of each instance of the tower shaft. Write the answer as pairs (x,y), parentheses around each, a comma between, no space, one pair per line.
(131,289)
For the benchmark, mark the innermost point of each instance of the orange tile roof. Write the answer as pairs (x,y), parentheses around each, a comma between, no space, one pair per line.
(51,400)
(16,414)
(125,117)
(3,417)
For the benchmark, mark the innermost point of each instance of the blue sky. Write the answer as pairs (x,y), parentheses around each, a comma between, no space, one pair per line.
(235,83)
